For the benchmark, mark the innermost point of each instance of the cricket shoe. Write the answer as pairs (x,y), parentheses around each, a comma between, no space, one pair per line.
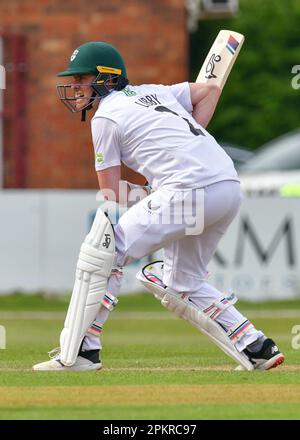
(86,361)
(266,358)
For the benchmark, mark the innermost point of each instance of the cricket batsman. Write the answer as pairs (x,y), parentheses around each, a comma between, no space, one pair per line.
(159,132)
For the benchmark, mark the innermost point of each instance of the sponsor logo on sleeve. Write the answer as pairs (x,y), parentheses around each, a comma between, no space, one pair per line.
(99,158)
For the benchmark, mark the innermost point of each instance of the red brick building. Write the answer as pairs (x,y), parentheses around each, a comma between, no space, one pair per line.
(46,146)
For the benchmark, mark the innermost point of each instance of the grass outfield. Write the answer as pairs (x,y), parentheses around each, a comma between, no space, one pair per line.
(155,367)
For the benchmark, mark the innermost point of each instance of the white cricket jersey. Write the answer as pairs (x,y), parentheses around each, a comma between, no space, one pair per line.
(151,130)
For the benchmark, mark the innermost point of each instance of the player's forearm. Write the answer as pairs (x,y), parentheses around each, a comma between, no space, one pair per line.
(204,102)
(132,176)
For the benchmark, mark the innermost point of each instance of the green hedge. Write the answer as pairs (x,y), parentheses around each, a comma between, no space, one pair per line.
(258,101)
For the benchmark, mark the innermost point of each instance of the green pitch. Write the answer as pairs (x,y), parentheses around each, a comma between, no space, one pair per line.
(155,366)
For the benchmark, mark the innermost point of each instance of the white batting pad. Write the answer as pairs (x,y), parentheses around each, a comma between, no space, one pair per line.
(179,304)
(94,266)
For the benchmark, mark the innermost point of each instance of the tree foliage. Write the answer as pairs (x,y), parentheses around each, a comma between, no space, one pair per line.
(258,102)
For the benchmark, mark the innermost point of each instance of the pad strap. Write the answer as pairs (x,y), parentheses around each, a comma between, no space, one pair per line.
(95,329)
(109,301)
(236,332)
(219,306)
(117,272)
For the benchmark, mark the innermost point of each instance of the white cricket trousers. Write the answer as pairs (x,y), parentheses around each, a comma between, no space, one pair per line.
(162,220)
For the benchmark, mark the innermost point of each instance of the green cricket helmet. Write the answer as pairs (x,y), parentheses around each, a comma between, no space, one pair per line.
(99,59)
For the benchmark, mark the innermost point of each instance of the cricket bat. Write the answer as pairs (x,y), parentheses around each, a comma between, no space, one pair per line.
(220,58)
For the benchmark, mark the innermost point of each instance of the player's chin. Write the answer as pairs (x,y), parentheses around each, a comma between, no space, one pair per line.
(81,103)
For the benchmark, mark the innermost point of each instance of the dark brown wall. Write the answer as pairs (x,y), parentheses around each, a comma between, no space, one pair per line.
(152,37)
